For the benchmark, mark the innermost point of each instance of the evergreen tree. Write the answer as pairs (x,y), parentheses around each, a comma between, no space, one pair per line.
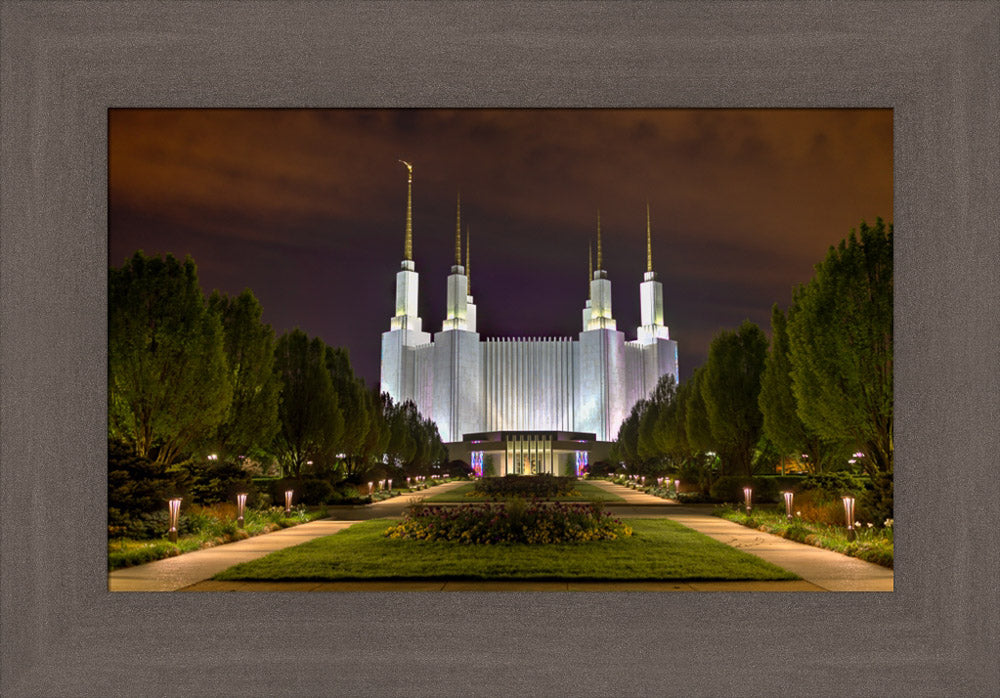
(352,397)
(252,419)
(168,382)
(841,350)
(311,423)
(730,389)
(782,424)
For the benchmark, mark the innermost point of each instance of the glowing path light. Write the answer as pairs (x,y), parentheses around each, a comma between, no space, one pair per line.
(677,486)
(849,515)
(788,504)
(371,486)
(175,517)
(288,502)
(241,504)
(746,498)
(390,484)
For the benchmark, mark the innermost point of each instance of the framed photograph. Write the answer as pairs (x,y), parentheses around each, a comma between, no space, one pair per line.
(68,68)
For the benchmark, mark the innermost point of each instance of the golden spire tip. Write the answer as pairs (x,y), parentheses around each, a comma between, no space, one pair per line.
(649,243)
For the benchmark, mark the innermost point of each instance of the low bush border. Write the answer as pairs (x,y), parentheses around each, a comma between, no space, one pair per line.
(870,544)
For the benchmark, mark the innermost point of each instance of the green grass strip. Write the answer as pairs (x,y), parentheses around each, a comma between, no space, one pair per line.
(588,493)
(659,549)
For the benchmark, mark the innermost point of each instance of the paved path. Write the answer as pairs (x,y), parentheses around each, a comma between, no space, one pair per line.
(388,508)
(174,573)
(827,569)
(821,570)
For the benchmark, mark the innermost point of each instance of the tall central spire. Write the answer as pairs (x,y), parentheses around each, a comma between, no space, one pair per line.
(590,267)
(649,243)
(600,257)
(458,232)
(408,247)
(468,273)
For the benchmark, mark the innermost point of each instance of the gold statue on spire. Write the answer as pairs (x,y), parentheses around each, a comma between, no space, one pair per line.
(408,247)
(458,232)
(649,243)
(600,257)
(468,274)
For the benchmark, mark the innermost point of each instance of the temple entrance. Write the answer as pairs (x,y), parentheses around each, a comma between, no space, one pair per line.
(528,453)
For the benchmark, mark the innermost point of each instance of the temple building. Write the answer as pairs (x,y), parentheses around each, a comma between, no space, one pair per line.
(510,405)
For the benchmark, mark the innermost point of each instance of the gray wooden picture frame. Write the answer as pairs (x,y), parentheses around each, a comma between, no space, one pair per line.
(63,64)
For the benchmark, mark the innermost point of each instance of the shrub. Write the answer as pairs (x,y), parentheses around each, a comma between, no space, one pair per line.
(729,488)
(220,481)
(534,486)
(515,521)
(835,485)
(313,492)
(138,490)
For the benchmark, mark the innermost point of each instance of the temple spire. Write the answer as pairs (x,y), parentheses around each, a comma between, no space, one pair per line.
(649,243)
(458,232)
(590,266)
(408,247)
(468,273)
(600,257)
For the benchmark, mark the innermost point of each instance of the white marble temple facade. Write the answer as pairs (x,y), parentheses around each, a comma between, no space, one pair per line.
(469,384)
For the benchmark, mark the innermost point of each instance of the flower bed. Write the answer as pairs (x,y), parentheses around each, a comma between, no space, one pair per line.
(530,486)
(514,521)
(872,543)
(205,527)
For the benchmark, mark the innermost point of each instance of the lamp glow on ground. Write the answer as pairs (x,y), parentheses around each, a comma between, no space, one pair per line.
(175,517)
(241,505)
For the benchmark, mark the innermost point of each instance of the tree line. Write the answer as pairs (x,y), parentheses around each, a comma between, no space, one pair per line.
(818,393)
(190,376)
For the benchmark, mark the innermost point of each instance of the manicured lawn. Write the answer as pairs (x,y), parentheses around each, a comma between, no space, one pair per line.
(658,550)
(588,493)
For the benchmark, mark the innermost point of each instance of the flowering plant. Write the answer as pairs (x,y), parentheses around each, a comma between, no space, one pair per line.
(513,521)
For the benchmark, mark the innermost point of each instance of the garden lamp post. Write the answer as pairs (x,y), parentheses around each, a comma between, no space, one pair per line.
(371,486)
(288,502)
(788,504)
(746,498)
(390,484)
(241,504)
(677,487)
(849,515)
(175,517)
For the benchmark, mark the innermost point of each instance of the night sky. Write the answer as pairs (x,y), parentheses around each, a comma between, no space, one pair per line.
(307,209)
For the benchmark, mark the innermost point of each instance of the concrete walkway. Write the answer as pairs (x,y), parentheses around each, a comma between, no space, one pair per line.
(173,573)
(829,570)
(821,570)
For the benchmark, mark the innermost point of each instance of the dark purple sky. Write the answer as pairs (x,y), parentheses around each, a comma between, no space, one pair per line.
(307,209)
